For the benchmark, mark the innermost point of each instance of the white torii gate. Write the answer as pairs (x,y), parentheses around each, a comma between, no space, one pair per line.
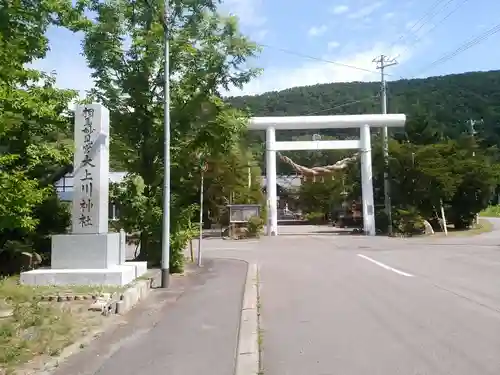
(363,122)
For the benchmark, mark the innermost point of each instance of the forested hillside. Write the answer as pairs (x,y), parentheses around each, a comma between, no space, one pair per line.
(444,104)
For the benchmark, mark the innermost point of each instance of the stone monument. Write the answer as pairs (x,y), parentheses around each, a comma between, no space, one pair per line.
(90,255)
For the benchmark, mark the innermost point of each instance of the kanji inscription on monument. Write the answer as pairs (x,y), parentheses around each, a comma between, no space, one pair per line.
(91,170)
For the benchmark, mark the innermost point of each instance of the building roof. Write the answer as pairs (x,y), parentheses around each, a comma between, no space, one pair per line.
(291,182)
(64,186)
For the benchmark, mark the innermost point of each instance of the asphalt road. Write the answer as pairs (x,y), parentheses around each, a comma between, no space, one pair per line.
(334,304)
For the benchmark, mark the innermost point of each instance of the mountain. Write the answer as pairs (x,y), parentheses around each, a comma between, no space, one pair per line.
(446,104)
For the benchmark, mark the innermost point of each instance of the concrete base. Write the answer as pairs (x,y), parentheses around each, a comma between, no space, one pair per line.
(85,251)
(115,275)
(141,268)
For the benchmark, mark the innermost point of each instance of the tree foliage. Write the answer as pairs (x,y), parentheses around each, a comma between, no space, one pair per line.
(456,173)
(321,194)
(124,48)
(20,195)
(33,124)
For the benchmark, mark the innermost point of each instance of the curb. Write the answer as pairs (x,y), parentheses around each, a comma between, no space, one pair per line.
(130,297)
(248,351)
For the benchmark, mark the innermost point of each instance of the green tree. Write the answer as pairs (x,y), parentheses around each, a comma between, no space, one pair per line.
(34,126)
(124,47)
(20,195)
(455,173)
(421,128)
(232,178)
(321,195)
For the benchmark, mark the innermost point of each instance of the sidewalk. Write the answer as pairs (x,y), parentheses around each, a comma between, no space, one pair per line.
(195,332)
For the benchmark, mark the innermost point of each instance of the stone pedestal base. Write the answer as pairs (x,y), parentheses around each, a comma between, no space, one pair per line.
(87,259)
(76,251)
(118,275)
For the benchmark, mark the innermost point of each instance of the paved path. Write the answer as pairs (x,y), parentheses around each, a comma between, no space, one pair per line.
(357,305)
(331,304)
(195,333)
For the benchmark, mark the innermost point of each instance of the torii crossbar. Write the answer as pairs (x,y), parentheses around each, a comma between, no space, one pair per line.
(363,122)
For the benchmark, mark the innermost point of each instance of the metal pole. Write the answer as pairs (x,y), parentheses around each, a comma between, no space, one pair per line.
(385,142)
(165,249)
(445,226)
(272,225)
(367,181)
(201,217)
(382,63)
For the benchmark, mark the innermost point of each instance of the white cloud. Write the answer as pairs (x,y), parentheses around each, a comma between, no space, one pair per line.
(252,21)
(333,45)
(389,15)
(314,72)
(259,36)
(366,11)
(410,24)
(339,9)
(317,30)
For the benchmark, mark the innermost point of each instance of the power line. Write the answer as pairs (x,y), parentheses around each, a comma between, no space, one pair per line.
(344,105)
(464,47)
(428,13)
(316,58)
(431,17)
(448,15)
(289,51)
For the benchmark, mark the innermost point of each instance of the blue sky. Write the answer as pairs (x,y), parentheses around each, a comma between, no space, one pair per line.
(349,32)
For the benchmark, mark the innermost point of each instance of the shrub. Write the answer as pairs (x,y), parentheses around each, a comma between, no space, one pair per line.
(491,211)
(315,217)
(408,222)
(255,226)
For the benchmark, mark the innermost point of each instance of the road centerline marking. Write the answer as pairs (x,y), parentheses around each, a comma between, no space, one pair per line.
(385,266)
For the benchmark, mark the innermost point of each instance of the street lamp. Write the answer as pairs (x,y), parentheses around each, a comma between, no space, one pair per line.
(165,247)
(203,169)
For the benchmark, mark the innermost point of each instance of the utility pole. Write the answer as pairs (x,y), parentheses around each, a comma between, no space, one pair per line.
(203,168)
(473,131)
(165,243)
(382,63)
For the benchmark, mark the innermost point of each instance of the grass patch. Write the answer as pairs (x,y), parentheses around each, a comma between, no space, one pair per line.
(39,328)
(491,211)
(484,226)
